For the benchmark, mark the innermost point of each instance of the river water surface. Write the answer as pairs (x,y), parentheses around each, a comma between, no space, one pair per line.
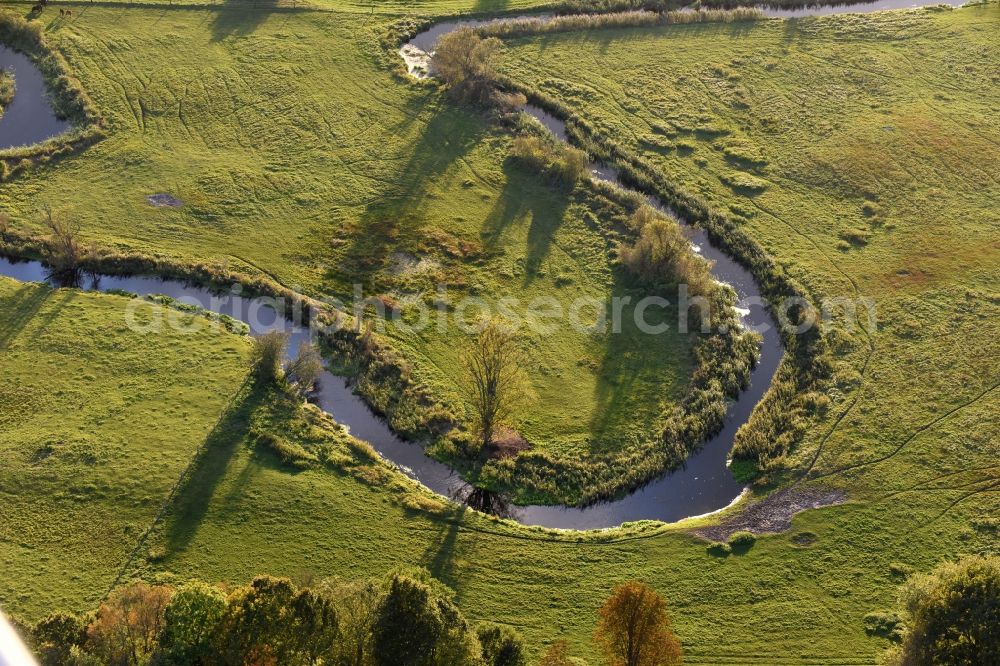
(29,119)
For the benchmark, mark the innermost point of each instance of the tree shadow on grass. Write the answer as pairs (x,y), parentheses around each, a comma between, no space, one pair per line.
(491,5)
(200,485)
(639,370)
(19,309)
(239,18)
(396,220)
(524,197)
(439,558)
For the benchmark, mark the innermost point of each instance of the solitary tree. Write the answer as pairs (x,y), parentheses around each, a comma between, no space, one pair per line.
(494,382)
(634,629)
(305,369)
(267,353)
(952,616)
(467,64)
(662,254)
(63,251)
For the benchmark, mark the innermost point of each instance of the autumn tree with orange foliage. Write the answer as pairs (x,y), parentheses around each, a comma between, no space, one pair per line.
(556,655)
(128,624)
(634,629)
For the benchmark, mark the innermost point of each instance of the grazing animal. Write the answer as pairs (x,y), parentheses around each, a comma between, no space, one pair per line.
(62,12)
(37,9)
(69,12)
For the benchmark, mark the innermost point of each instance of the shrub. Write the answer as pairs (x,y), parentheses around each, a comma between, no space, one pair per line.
(267,354)
(663,255)
(560,163)
(740,181)
(290,453)
(856,236)
(742,541)
(719,549)
(6,88)
(886,625)
(580,16)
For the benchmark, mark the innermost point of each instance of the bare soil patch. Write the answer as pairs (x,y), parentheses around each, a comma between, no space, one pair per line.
(774,512)
(164,201)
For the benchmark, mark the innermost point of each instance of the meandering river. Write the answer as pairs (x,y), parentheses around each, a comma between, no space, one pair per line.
(703,485)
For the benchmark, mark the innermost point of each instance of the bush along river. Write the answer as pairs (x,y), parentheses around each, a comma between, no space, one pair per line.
(702,485)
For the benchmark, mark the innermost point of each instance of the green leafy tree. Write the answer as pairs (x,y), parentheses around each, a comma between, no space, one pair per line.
(256,626)
(501,646)
(54,637)
(357,606)
(952,616)
(414,628)
(315,628)
(192,622)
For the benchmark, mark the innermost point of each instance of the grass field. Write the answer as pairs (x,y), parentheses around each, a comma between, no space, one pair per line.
(906,216)
(797,596)
(97,424)
(297,154)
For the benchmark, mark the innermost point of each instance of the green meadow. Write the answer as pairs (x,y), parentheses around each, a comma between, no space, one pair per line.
(300,155)
(860,152)
(98,421)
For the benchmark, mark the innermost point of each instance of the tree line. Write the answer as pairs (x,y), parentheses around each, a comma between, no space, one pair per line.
(407,620)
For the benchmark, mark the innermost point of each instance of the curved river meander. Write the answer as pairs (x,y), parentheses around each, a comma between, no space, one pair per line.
(704,484)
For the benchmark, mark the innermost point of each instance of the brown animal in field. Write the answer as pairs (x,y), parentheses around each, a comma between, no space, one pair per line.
(37,9)
(69,12)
